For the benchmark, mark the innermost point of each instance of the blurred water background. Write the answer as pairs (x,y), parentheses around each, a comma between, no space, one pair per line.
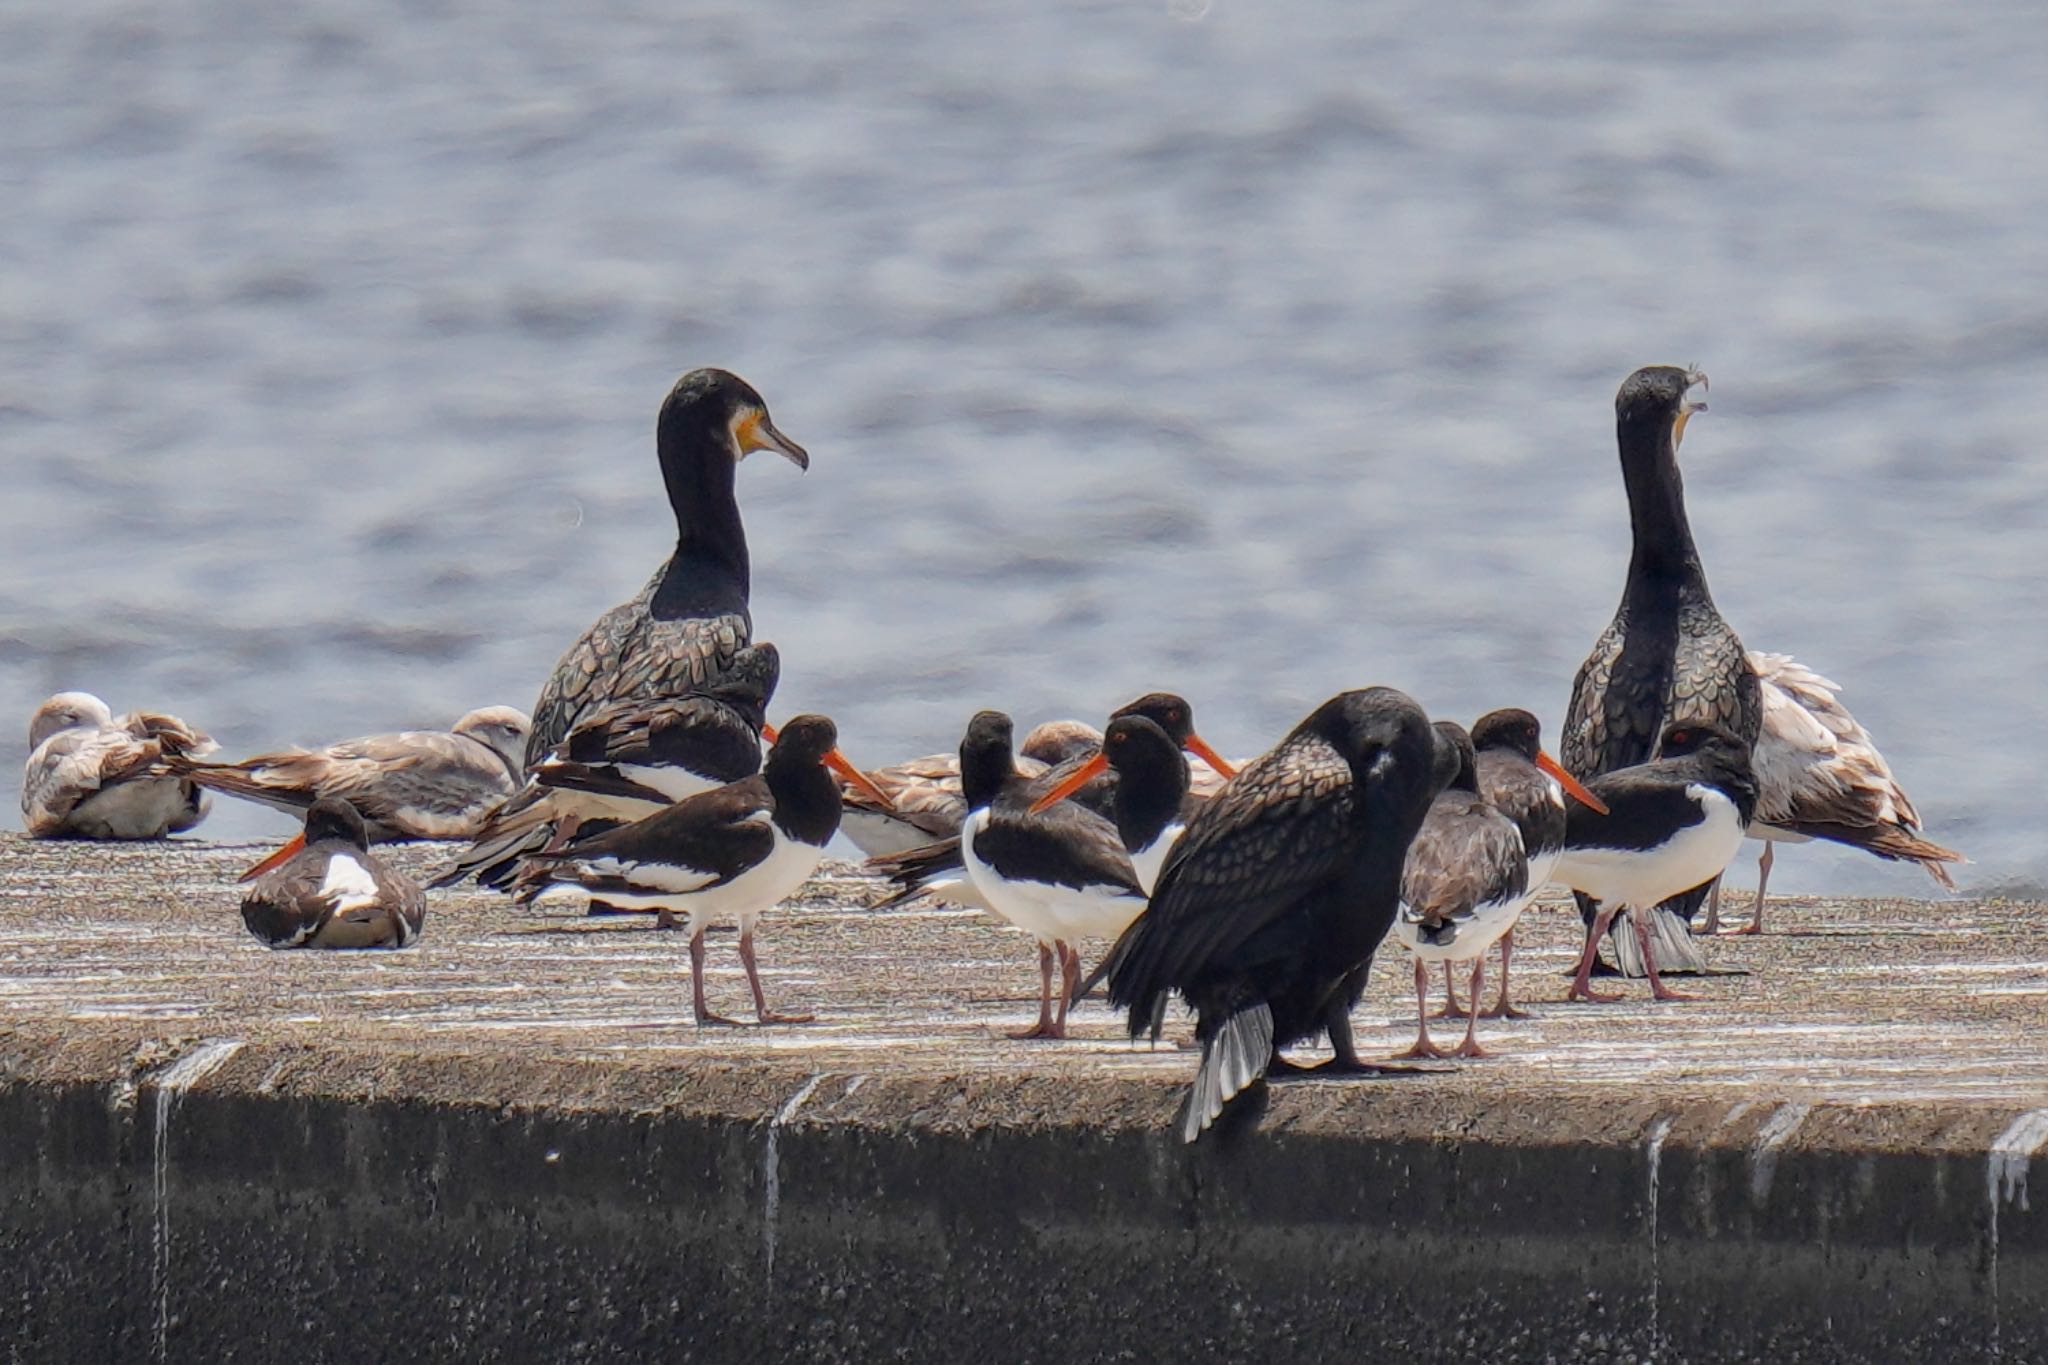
(1253,350)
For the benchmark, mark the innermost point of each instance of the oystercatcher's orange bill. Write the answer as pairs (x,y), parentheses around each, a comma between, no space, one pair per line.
(293,845)
(1199,747)
(1073,782)
(767,732)
(841,764)
(1569,783)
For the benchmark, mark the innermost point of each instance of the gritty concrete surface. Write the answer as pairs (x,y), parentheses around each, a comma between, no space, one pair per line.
(512,1143)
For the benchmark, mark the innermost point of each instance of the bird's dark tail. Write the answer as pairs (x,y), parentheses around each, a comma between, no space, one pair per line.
(1233,1057)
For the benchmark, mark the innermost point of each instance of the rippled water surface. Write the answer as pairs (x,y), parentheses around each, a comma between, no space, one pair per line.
(1253,350)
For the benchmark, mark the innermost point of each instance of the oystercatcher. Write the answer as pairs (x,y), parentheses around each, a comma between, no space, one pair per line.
(1465,880)
(331,891)
(1528,786)
(1060,875)
(722,856)
(1671,823)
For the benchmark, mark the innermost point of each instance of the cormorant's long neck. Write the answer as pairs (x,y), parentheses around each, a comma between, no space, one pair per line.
(1664,552)
(708,575)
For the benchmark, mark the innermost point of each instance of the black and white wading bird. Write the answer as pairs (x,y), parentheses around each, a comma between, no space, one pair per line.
(331,891)
(1819,776)
(1528,786)
(721,857)
(625,761)
(692,619)
(1060,875)
(1672,823)
(89,776)
(1465,879)
(1274,900)
(1667,658)
(935,869)
(1151,800)
(410,784)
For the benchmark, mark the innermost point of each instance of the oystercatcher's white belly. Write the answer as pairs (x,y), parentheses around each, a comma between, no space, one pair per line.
(1149,860)
(1051,912)
(688,892)
(1642,877)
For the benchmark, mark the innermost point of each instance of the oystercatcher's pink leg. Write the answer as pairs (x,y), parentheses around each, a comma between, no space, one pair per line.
(1423,1047)
(1470,1047)
(1044,1027)
(1452,1009)
(697,1005)
(1658,990)
(1580,990)
(761,1010)
(1504,1008)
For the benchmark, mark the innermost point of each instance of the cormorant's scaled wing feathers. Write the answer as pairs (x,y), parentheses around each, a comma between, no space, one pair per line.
(1279,829)
(1610,722)
(628,653)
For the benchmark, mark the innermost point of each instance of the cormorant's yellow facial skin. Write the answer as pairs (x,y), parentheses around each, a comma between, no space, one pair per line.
(751,431)
(746,431)
(1687,406)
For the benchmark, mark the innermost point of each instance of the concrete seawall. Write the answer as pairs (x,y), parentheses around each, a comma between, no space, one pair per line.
(212,1152)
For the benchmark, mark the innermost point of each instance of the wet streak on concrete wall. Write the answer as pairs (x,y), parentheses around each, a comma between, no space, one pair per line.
(730,1215)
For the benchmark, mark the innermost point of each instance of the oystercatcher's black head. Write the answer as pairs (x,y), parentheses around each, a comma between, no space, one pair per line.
(1697,737)
(1136,742)
(328,818)
(723,407)
(1513,730)
(1465,777)
(986,760)
(1509,728)
(1658,398)
(1173,715)
(1145,757)
(1170,713)
(807,738)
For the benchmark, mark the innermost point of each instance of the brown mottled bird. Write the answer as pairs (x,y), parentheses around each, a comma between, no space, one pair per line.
(333,892)
(1667,657)
(89,776)
(1465,880)
(408,784)
(1819,776)
(691,619)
